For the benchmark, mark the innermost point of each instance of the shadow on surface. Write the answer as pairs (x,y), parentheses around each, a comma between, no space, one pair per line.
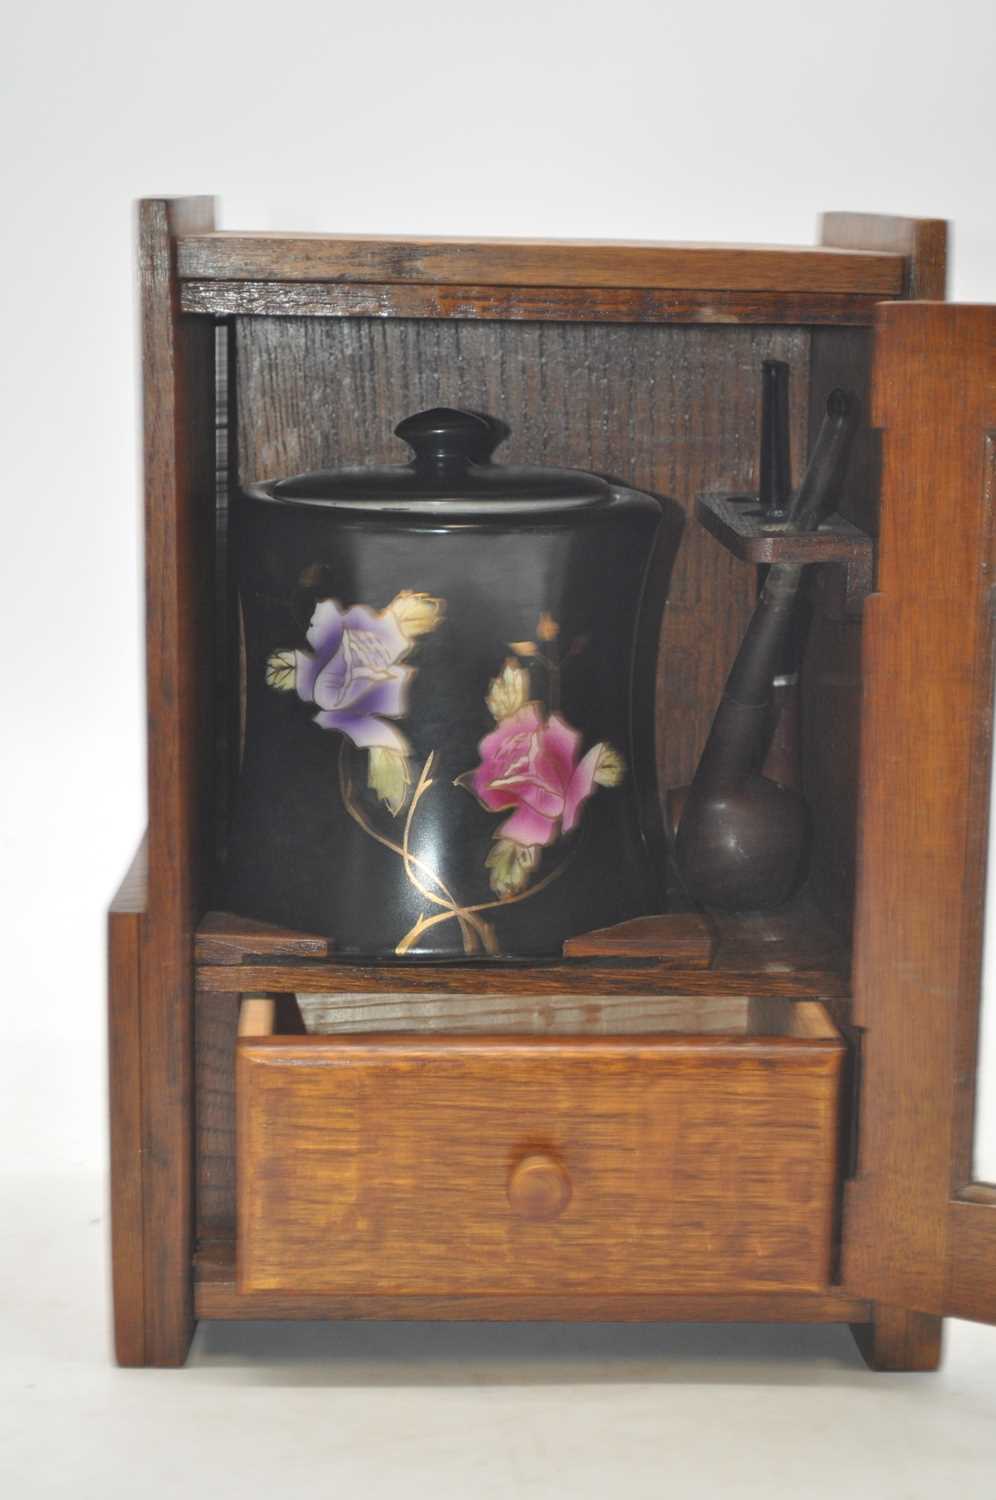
(530,1354)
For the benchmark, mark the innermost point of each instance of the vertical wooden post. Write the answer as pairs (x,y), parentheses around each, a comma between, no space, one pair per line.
(178,433)
(125,926)
(896,1339)
(924,243)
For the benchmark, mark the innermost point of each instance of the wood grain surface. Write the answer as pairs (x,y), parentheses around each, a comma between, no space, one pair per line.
(925,753)
(923,244)
(124,1033)
(329,1014)
(554,1015)
(738,523)
(971,1270)
(608,977)
(232,255)
(539,304)
(216,1029)
(217,1023)
(179,470)
(218,1297)
(380,1165)
(495,1014)
(223,938)
(685,938)
(895,1339)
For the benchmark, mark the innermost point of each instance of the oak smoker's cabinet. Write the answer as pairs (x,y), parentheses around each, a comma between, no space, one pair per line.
(690,1116)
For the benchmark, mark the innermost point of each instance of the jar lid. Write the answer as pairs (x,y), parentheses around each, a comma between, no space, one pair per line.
(450,472)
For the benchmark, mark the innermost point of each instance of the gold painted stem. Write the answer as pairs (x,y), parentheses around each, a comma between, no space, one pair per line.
(424,923)
(471,937)
(412,861)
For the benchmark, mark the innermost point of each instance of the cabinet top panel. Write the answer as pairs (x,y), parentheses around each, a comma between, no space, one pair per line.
(269,256)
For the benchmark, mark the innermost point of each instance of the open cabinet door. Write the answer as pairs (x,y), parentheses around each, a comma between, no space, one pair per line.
(919,1236)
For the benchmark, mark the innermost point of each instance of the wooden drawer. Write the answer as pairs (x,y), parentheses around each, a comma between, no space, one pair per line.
(449,1164)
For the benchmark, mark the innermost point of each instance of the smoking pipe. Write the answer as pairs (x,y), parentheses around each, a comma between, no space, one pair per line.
(742,838)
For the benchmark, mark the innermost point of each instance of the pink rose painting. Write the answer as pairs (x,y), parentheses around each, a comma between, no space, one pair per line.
(531,765)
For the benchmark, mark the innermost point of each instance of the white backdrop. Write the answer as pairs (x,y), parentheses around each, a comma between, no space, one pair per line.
(631,119)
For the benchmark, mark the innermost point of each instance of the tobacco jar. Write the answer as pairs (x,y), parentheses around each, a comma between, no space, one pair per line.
(446,737)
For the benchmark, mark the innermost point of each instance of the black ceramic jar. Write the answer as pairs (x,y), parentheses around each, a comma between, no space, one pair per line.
(446,750)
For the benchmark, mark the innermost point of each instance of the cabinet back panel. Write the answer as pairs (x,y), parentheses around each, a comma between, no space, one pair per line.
(672,410)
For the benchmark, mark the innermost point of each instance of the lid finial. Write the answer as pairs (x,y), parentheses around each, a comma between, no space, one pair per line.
(446,437)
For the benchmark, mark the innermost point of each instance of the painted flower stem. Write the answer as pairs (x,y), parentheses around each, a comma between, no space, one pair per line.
(424,923)
(481,931)
(471,931)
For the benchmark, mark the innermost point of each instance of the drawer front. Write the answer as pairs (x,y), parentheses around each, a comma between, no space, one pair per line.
(456,1165)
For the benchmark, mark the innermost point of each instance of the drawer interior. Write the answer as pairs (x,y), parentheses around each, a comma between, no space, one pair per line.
(642,1154)
(560,1015)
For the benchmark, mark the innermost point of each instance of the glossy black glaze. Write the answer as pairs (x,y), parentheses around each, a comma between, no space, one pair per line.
(535,566)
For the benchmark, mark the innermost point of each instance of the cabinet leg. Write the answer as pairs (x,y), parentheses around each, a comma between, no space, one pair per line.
(900,1340)
(151,1150)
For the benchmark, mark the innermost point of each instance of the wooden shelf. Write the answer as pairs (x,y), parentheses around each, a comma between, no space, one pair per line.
(791,954)
(237,256)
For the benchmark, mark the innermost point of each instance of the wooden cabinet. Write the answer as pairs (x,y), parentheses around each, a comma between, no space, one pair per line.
(694,1117)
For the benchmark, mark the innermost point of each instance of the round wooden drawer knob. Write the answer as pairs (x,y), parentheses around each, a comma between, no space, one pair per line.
(539,1187)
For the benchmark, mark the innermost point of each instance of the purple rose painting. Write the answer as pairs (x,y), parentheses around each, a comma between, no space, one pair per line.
(354,675)
(531,764)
